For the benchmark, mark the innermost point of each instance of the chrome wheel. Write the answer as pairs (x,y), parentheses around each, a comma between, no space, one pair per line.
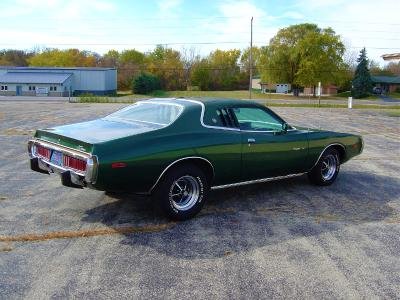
(184,192)
(329,167)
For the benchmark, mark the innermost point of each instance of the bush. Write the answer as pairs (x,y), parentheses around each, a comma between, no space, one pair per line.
(145,84)
(89,98)
(345,94)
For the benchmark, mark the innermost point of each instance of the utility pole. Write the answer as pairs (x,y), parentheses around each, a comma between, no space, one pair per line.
(251,57)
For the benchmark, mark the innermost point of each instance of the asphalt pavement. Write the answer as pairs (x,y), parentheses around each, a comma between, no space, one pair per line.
(285,239)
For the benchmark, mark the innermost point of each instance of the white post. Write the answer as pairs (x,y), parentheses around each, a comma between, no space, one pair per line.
(251,58)
(350,102)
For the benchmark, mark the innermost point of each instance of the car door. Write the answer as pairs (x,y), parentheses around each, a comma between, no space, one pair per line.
(267,149)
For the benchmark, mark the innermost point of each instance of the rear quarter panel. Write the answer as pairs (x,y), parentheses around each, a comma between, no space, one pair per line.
(147,155)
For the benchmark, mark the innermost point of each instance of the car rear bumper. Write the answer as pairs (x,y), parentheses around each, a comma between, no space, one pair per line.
(69,177)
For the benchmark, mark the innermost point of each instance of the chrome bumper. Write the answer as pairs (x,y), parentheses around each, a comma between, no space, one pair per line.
(69,177)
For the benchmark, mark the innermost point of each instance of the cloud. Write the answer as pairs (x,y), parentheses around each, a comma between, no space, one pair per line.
(167,5)
(234,25)
(292,15)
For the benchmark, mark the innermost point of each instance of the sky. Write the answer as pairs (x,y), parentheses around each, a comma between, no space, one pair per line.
(100,25)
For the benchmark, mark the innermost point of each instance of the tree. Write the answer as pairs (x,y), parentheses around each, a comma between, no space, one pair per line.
(16,58)
(393,68)
(201,74)
(189,57)
(245,60)
(63,58)
(302,55)
(110,59)
(145,83)
(362,83)
(168,66)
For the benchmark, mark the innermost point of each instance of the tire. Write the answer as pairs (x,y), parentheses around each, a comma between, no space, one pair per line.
(327,169)
(182,192)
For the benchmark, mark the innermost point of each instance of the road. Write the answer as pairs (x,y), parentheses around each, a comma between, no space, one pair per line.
(284,239)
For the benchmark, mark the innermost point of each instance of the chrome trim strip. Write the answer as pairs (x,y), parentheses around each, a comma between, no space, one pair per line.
(182,108)
(333,144)
(178,160)
(255,181)
(64,149)
(203,108)
(203,112)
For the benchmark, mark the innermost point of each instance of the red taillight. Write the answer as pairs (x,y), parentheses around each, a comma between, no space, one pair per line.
(44,152)
(74,163)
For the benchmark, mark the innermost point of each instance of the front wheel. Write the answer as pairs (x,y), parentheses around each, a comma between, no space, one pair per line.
(326,169)
(182,192)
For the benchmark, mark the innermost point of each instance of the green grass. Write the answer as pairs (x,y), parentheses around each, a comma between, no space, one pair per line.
(395,95)
(120,98)
(394,113)
(242,94)
(327,105)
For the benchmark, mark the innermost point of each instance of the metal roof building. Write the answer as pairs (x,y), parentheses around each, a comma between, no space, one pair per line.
(31,81)
(387,83)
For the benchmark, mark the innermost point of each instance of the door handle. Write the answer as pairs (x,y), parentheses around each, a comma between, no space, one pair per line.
(251,140)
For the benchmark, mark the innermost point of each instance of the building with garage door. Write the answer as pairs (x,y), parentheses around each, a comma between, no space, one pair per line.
(57,82)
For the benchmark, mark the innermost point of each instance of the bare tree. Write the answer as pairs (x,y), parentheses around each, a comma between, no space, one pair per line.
(189,56)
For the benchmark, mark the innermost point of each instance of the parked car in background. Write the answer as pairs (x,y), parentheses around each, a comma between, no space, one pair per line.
(178,149)
(377,90)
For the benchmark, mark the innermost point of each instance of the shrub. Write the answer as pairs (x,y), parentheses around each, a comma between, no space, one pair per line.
(145,83)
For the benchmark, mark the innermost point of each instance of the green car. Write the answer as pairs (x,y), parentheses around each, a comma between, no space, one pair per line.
(178,149)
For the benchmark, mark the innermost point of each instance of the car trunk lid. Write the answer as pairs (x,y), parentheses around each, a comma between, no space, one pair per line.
(82,136)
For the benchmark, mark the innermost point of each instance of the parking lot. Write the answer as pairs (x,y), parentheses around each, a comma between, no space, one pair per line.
(284,239)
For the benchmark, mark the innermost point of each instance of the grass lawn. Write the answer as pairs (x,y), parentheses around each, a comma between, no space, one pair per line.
(242,94)
(394,95)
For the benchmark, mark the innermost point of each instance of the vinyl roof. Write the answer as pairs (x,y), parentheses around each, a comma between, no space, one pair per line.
(208,102)
(34,77)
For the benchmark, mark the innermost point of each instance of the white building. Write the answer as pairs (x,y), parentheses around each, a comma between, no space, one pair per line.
(58,82)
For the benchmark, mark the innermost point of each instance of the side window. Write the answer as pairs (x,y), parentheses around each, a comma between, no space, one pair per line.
(221,117)
(256,119)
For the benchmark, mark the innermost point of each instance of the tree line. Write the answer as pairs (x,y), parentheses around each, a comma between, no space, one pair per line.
(301,55)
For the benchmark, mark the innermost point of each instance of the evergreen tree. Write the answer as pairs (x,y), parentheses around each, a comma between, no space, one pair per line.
(362,83)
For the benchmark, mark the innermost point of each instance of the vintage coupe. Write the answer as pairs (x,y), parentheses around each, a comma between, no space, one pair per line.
(178,149)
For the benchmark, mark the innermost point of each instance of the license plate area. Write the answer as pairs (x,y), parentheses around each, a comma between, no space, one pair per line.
(56,158)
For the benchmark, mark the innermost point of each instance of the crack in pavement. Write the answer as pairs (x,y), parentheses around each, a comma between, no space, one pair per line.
(35,237)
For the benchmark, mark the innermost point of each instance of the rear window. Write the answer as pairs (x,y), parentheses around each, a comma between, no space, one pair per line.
(152,113)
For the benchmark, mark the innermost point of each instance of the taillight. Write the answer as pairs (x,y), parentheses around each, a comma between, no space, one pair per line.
(74,163)
(44,152)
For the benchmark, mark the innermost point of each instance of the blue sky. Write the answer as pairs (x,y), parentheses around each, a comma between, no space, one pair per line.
(100,25)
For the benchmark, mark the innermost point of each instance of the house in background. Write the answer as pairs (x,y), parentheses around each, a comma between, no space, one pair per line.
(393,57)
(328,89)
(57,82)
(388,84)
(280,88)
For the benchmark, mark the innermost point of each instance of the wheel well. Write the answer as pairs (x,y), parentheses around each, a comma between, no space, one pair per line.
(201,163)
(341,150)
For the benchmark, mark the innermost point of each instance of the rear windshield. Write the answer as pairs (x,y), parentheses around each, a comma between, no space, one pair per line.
(152,113)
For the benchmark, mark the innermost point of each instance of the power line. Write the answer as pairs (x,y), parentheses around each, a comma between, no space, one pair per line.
(177,44)
(269,19)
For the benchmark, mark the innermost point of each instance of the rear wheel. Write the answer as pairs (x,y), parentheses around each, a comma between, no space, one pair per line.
(182,192)
(327,168)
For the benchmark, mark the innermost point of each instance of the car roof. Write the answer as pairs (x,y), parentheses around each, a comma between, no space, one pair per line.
(208,102)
